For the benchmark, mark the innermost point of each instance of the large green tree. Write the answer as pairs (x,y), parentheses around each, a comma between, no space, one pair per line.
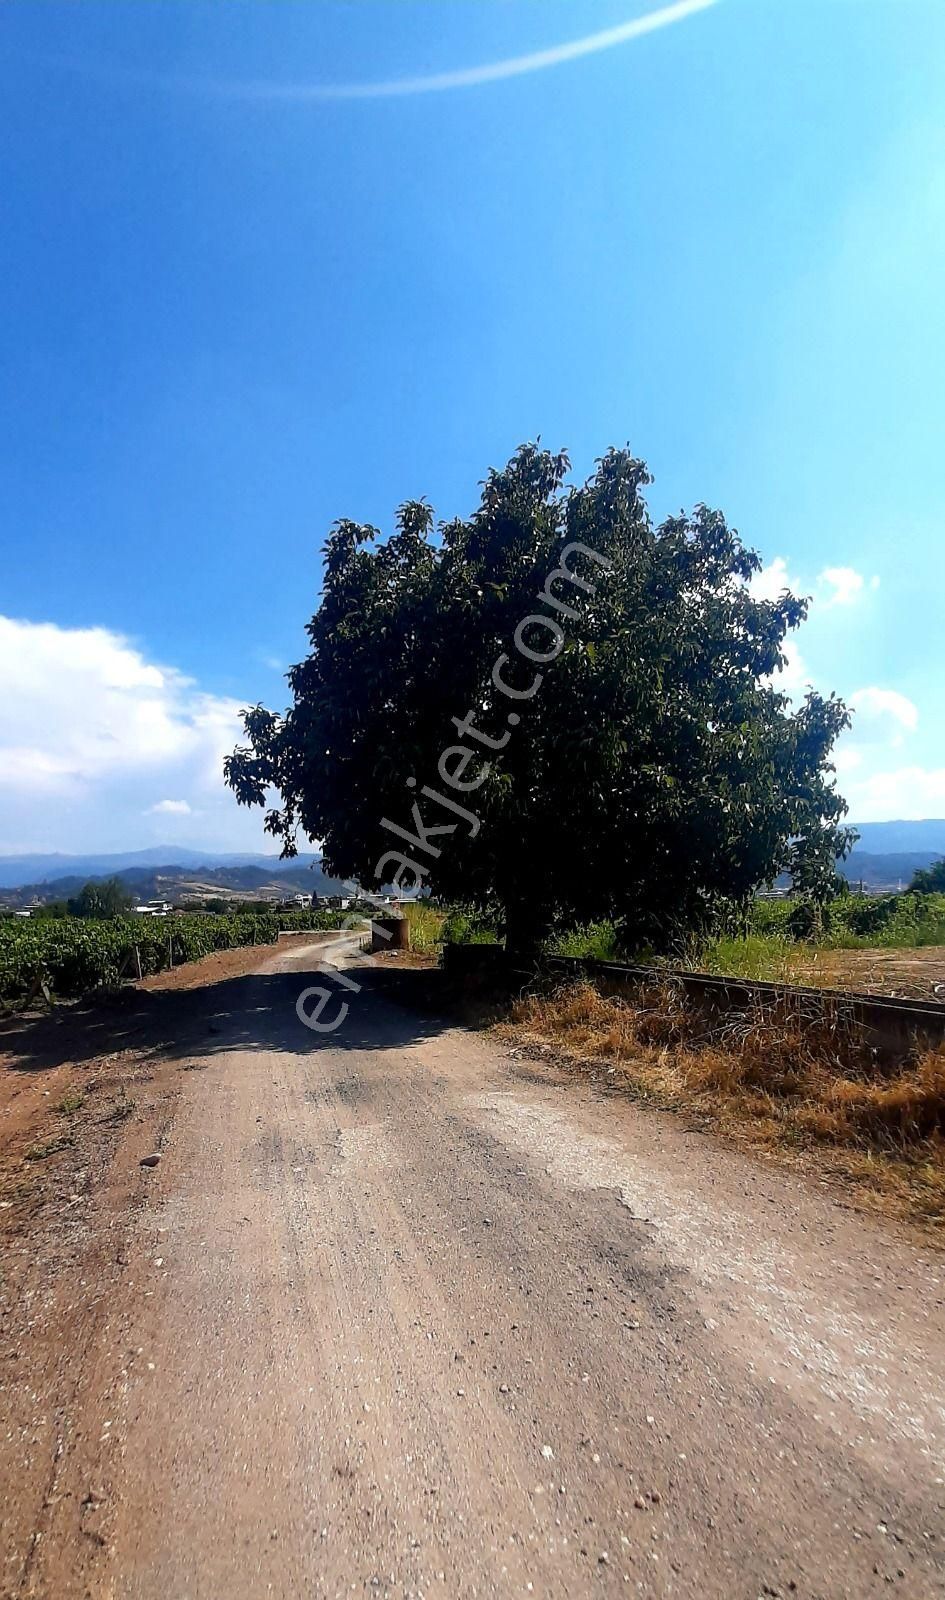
(929,880)
(624,753)
(101,897)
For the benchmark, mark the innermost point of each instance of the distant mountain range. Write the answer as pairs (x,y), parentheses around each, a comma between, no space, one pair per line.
(18,870)
(886,855)
(162,874)
(884,838)
(889,870)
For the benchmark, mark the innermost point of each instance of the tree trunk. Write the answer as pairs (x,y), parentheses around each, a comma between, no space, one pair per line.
(526,929)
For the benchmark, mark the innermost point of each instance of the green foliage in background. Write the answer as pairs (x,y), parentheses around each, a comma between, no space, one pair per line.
(596,941)
(101,897)
(76,954)
(466,925)
(773,929)
(764,956)
(426,925)
(314,921)
(929,880)
(891,921)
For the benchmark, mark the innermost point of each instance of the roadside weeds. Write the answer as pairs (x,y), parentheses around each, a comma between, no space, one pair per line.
(778,1084)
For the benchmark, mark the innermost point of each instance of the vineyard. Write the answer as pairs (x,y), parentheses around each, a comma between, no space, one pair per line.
(72,955)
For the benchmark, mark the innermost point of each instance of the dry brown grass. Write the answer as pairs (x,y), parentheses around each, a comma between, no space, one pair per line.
(918,973)
(782,1080)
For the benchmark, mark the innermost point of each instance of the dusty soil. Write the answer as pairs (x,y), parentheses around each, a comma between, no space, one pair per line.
(919,973)
(99,1047)
(400,1312)
(409,960)
(228,963)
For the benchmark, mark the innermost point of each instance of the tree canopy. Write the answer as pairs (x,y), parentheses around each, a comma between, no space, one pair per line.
(579,702)
(101,897)
(929,880)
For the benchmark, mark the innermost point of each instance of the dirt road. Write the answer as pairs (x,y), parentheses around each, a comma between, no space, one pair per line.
(400,1314)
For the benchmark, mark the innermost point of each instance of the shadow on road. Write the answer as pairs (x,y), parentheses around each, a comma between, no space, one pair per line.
(254,1012)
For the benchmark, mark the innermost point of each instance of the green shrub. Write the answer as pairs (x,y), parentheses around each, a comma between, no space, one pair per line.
(597,941)
(772,916)
(890,921)
(426,925)
(463,926)
(755,955)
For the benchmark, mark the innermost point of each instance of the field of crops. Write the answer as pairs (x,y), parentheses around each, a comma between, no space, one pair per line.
(73,954)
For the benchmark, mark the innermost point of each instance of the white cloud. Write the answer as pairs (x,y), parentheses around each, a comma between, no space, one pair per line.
(910,793)
(876,770)
(794,678)
(883,713)
(90,730)
(81,703)
(874,773)
(268,658)
(835,586)
(842,586)
(771,582)
(847,758)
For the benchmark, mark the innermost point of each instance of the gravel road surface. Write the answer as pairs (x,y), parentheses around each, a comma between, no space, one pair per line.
(400,1313)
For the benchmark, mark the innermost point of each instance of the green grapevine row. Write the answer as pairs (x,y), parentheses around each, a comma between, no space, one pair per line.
(73,955)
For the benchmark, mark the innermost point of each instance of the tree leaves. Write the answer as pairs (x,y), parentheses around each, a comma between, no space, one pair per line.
(654,776)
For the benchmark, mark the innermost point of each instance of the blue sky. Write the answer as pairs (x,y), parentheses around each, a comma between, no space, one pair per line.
(235,310)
